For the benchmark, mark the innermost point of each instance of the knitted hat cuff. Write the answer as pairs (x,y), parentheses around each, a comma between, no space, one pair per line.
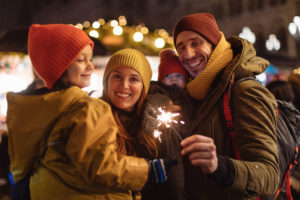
(130,58)
(201,23)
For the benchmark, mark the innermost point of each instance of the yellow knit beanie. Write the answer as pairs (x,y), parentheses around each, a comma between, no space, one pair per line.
(130,58)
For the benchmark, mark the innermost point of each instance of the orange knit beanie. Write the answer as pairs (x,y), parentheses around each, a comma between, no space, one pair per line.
(53,47)
(203,23)
(170,63)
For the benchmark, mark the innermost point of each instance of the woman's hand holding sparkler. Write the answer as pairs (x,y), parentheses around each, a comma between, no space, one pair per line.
(201,152)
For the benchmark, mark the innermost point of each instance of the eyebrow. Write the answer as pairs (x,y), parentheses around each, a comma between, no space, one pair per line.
(137,74)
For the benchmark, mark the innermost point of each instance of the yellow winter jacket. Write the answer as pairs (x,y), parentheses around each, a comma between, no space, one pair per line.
(70,138)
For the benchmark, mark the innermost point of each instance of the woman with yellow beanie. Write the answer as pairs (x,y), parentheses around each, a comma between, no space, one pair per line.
(126,83)
(61,139)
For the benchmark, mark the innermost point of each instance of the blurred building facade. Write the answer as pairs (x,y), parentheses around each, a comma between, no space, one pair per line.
(264,18)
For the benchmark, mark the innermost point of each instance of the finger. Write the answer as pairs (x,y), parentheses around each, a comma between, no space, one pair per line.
(195,138)
(198,147)
(202,155)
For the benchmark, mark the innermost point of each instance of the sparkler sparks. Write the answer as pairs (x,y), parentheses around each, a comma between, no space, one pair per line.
(166,118)
(157,134)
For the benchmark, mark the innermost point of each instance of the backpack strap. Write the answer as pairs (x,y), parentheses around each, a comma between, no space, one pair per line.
(230,123)
(287,179)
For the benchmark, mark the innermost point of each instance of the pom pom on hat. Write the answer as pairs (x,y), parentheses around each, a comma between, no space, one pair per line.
(170,63)
(130,58)
(53,47)
(203,23)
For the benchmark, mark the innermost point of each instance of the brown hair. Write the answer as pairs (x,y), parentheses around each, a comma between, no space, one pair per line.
(125,141)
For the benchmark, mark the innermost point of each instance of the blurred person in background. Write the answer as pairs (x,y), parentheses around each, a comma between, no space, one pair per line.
(281,90)
(294,81)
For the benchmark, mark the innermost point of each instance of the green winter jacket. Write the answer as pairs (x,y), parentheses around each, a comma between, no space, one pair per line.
(71,139)
(254,114)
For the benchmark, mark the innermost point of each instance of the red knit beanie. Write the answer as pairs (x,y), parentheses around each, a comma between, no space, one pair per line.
(169,63)
(53,47)
(202,23)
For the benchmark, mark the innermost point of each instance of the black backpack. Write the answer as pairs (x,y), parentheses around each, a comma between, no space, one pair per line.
(288,139)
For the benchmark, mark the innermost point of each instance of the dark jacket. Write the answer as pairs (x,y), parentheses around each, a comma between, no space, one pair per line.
(254,115)
(160,95)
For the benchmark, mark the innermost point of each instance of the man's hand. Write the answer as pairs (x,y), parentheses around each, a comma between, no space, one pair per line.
(201,152)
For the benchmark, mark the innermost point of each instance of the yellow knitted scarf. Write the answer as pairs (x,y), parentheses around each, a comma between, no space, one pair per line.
(220,57)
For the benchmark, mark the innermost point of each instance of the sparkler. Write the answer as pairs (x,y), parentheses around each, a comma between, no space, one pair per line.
(166,118)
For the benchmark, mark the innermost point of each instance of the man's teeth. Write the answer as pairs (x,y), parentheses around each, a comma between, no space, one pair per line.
(123,95)
(194,65)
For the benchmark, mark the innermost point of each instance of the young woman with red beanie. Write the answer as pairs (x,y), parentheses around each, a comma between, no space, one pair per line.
(64,140)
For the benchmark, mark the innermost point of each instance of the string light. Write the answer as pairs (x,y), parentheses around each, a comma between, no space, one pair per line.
(118,30)
(294,27)
(272,43)
(159,42)
(94,33)
(114,23)
(138,36)
(96,25)
(248,35)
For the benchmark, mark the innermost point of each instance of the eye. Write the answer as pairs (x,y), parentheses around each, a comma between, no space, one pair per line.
(196,43)
(180,76)
(133,79)
(181,47)
(116,76)
(80,59)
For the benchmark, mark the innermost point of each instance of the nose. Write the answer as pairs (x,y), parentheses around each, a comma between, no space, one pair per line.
(124,83)
(174,78)
(90,65)
(189,53)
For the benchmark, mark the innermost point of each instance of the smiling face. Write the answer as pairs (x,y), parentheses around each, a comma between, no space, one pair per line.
(193,51)
(124,87)
(80,71)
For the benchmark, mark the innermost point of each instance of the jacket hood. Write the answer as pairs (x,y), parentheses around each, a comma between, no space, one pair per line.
(30,119)
(246,62)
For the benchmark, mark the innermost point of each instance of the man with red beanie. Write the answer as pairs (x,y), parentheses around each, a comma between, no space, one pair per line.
(211,169)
